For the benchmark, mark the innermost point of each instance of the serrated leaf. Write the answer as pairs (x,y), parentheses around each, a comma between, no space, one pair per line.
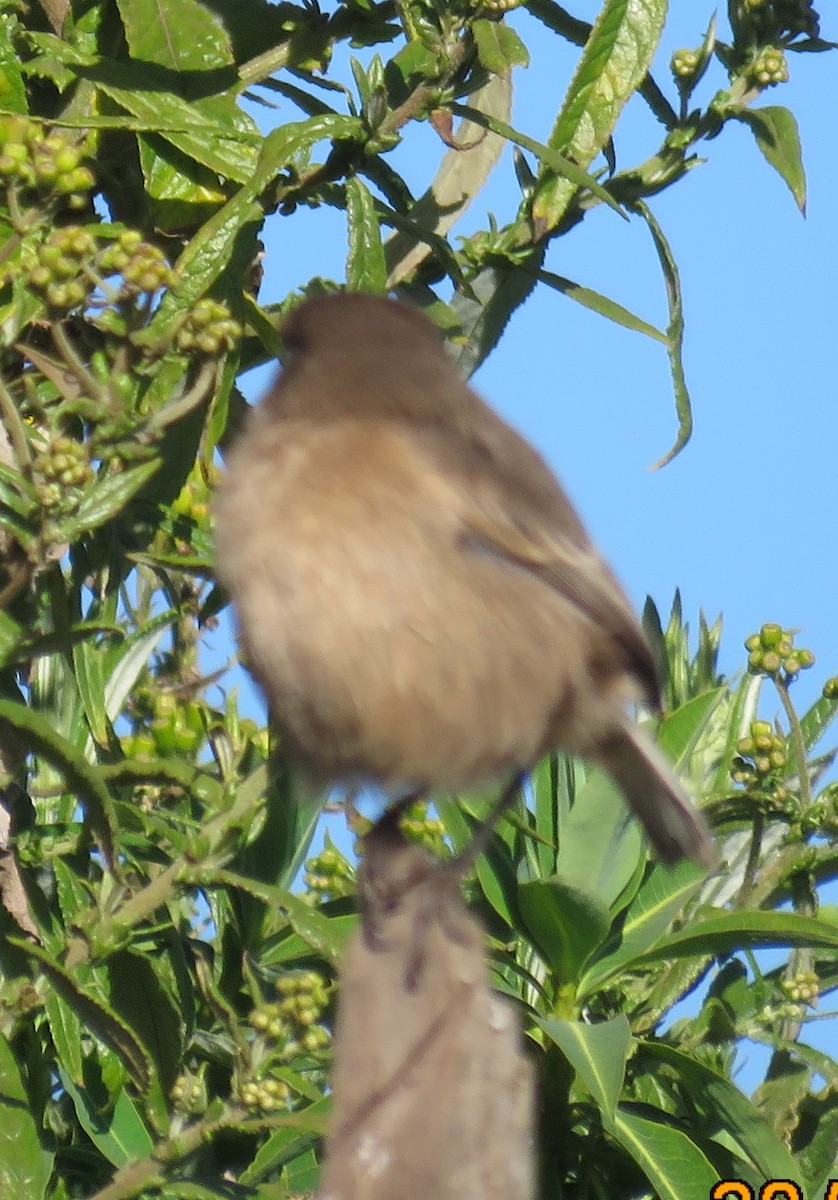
(209,133)
(209,252)
(777,136)
(598,1053)
(616,58)
(366,270)
(25,1165)
(106,498)
(815,722)
(12,88)
(94,1014)
(66,1032)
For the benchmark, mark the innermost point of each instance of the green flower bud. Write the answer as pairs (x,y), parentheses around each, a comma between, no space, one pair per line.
(770,635)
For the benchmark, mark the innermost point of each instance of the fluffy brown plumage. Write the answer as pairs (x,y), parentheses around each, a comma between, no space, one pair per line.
(415,593)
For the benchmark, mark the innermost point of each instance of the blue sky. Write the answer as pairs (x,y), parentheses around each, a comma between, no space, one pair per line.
(744,520)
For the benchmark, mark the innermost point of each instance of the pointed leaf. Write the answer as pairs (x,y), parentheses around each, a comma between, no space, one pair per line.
(674,333)
(120,1135)
(566,925)
(777,136)
(598,1054)
(106,498)
(616,57)
(650,914)
(601,304)
(94,1013)
(723,932)
(673,1164)
(716,1094)
(366,270)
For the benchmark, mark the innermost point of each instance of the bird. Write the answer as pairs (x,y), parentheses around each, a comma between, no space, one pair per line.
(415,593)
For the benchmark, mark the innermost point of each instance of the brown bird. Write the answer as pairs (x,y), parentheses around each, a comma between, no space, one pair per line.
(415,592)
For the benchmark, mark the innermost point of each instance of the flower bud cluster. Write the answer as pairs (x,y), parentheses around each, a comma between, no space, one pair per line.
(761,753)
(772,652)
(49,162)
(292,1021)
(328,875)
(209,329)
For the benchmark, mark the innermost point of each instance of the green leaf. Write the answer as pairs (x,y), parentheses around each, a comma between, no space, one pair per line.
(325,936)
(616,58)
(210,251)
(119,1134)
(673,1164)
(183,36)
(598,846)
(125,663)
(137,996)
(286,1144)
(498,46)
(723,932)
(598,1053)
(601,304)
(12,88)
(89,675)
(815,722)
(214,133)
(718,1097)
(674,333)
(66,1032)
(566,168)
(366,270)
(742,711)
(566,925)
(94,1013)
(25,1166)
(777,136)
(680,730)
(40,737)
(10,636)
(650,914)
(106,498)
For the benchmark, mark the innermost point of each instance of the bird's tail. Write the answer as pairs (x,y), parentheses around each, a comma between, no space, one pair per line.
(674,827)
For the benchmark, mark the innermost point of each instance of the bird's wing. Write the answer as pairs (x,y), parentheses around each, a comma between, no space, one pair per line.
(514,507)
